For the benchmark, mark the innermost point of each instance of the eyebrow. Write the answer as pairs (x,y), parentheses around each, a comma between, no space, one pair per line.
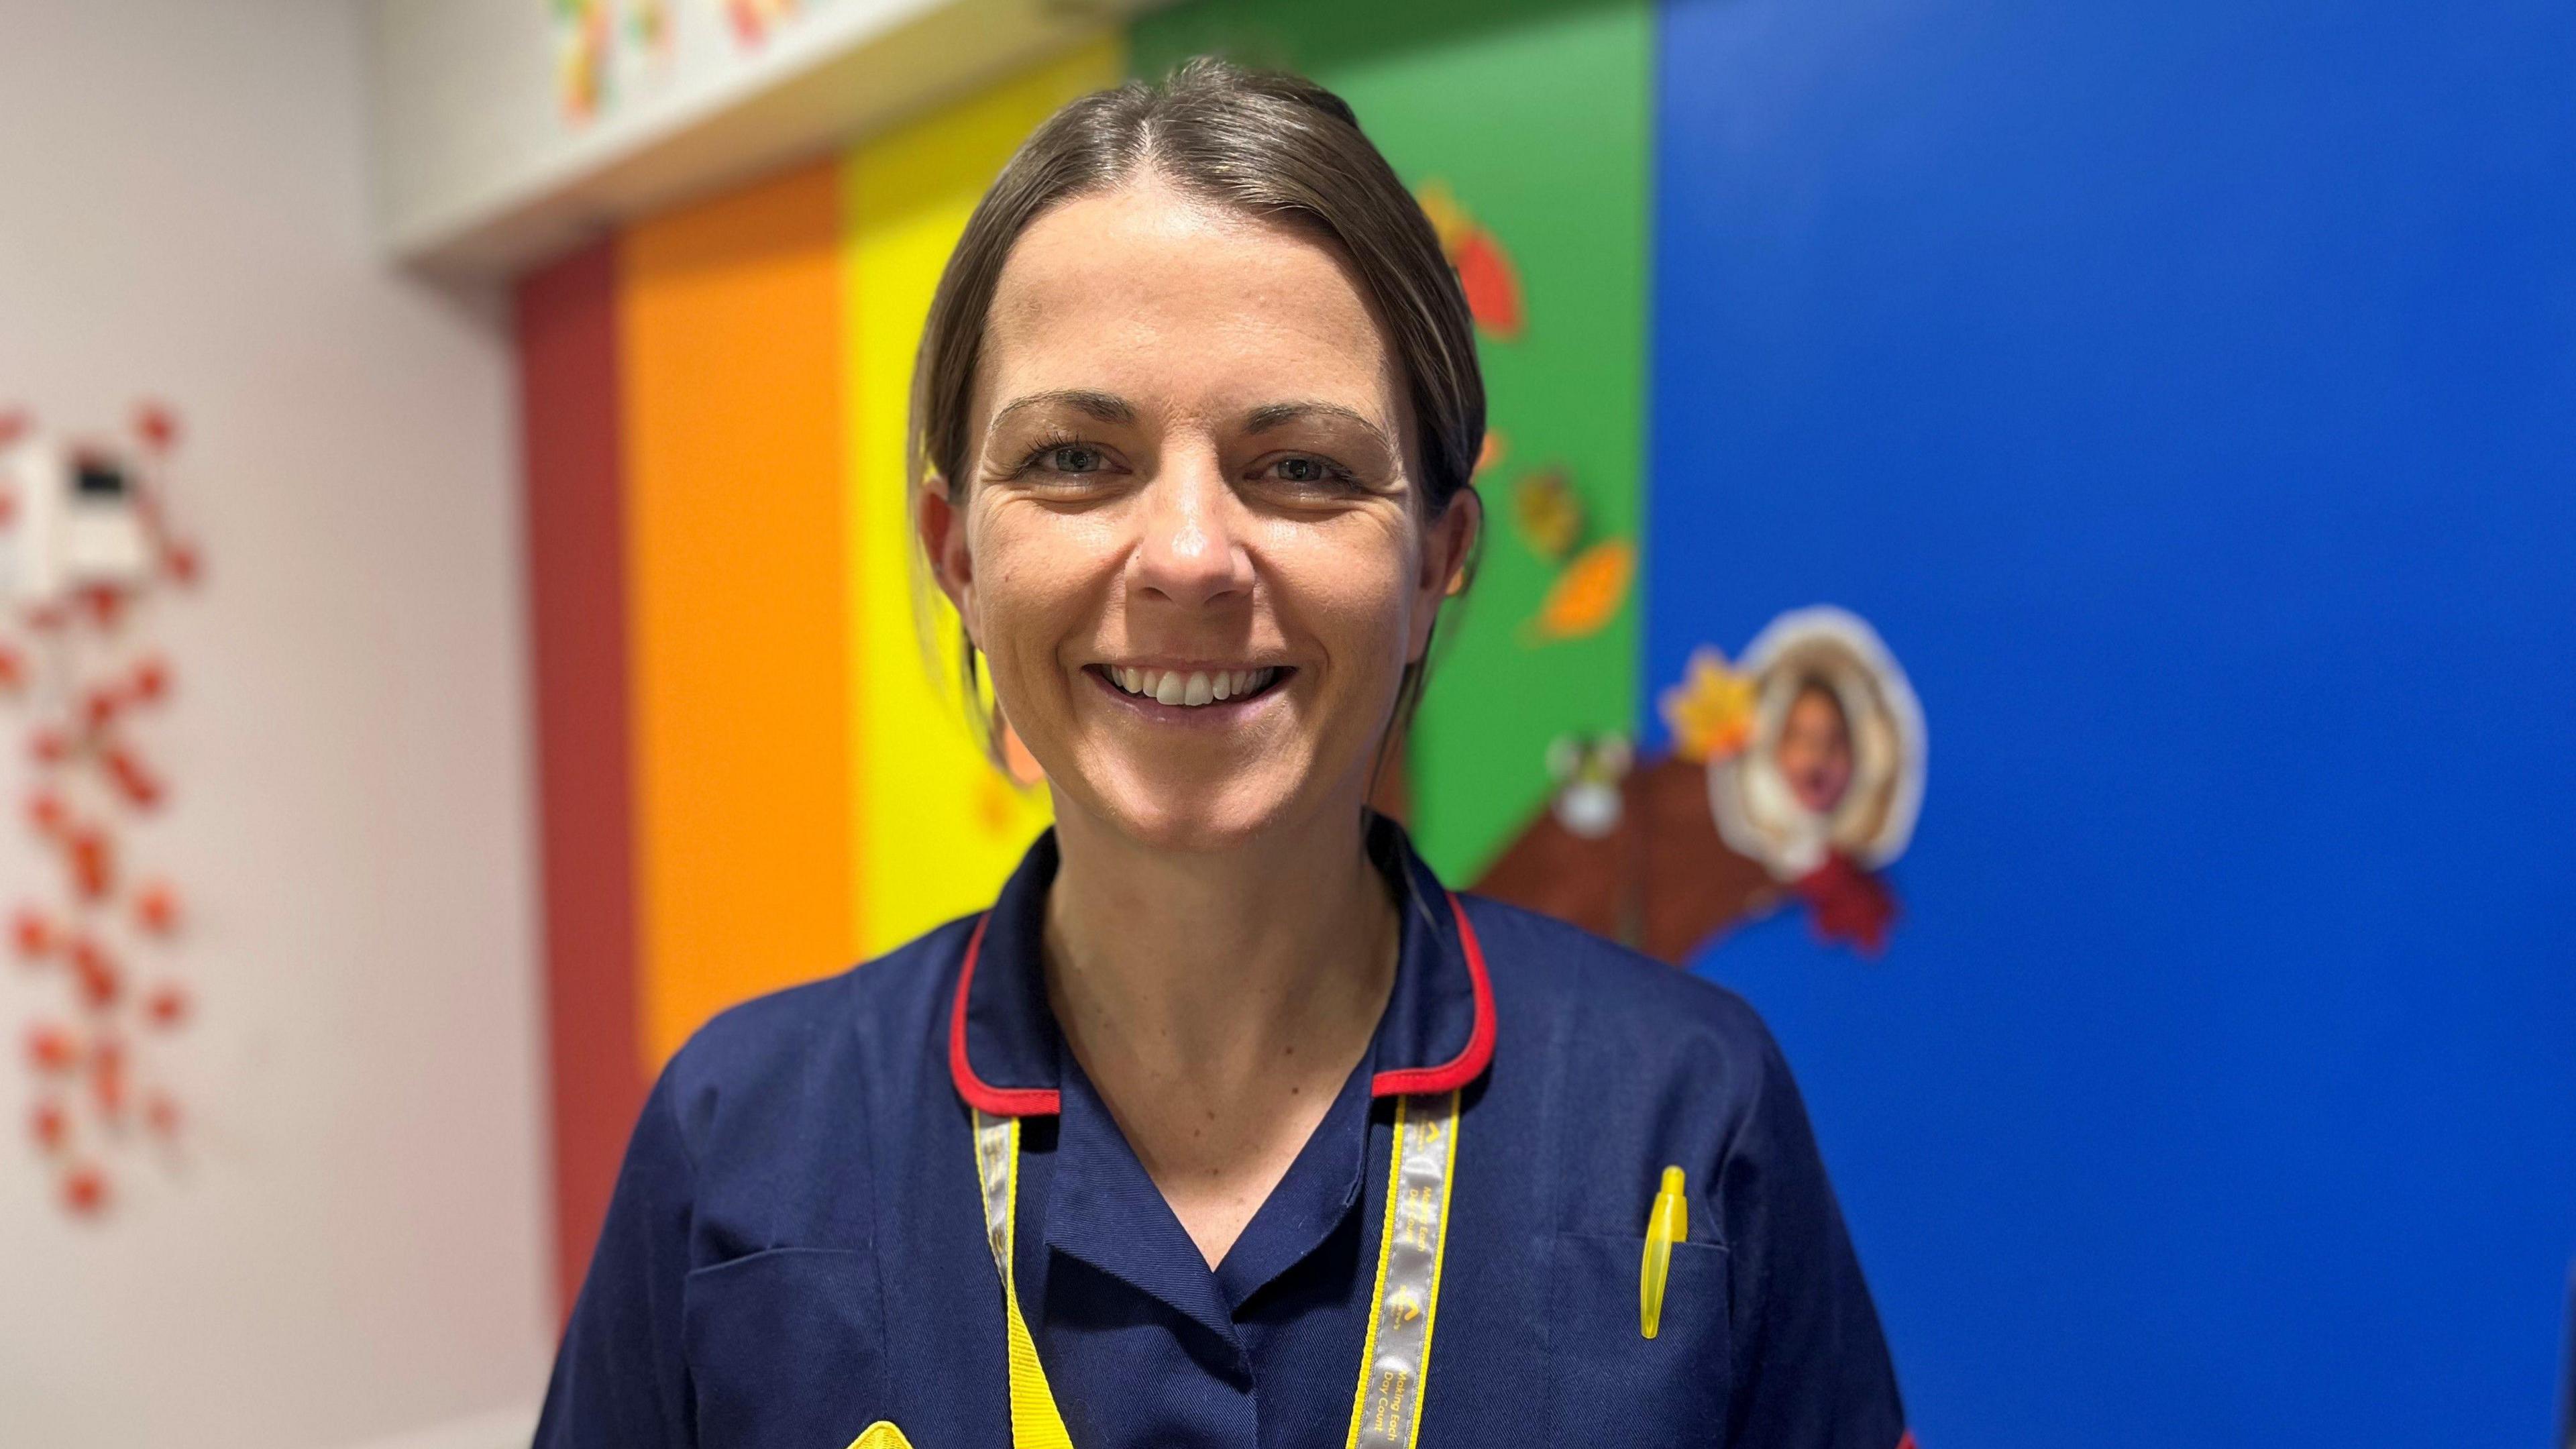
(1106,407)
(1279,415)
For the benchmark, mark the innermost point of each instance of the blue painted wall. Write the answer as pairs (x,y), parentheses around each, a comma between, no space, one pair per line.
(2188,392)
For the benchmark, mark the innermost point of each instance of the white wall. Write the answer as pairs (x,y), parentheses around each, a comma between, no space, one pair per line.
(354,1251)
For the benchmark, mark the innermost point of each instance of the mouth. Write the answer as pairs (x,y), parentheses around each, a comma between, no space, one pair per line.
(1191,691)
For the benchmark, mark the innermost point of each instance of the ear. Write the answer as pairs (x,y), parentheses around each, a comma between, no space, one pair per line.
(942,528)
(1448,545)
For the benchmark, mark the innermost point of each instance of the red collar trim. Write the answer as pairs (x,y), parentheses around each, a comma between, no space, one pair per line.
(1449,1076)
(1471,1061)
(979,1094)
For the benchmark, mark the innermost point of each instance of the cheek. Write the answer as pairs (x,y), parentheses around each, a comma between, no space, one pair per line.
(1036,576)
(1351,592)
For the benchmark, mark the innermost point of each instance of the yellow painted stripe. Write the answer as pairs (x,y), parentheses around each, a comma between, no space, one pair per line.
(731,370)
(938,829)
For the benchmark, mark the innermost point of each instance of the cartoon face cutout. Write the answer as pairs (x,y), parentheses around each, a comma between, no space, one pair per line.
(1814,754)
(1834,762)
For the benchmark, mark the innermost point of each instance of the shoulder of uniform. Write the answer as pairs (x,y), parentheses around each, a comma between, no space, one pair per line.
(784,1039)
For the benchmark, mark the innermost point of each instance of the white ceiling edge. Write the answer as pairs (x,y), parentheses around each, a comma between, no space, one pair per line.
(478,175)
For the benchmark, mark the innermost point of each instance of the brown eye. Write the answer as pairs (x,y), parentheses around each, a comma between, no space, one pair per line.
(1304,472)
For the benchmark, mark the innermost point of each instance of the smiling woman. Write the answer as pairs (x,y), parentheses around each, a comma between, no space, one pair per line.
(1197,1134)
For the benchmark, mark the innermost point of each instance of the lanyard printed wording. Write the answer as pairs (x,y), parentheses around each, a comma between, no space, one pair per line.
(1386,1410)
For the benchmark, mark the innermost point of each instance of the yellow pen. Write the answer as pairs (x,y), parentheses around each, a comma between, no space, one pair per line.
(1669,1224)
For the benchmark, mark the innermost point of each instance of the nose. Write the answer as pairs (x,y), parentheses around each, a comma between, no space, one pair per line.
(1191,551)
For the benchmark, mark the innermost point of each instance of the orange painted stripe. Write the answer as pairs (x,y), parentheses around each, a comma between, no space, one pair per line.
(732,387)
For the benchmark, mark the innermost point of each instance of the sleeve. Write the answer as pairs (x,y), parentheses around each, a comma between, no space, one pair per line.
(1811,1366)
(620,1379)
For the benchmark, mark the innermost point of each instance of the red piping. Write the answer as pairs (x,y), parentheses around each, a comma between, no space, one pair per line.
(1449,1076)
(1470,1063)
(983,1097)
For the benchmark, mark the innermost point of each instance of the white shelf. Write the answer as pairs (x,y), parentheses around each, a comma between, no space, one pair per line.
(480,172)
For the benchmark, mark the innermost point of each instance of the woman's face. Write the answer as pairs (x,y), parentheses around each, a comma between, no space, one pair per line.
(1190,544)
(1815,750)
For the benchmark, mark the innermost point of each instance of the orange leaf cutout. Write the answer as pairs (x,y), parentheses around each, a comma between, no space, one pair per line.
(1589,593)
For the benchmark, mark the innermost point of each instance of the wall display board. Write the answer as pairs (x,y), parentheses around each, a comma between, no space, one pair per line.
(2166,413)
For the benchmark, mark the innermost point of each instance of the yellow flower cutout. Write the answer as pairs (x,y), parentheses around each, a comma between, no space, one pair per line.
(1711,711)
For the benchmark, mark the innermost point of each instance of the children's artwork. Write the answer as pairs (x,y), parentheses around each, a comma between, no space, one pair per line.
(1796,774)
(1825,777)
(85,547)
(585,39)
(753,20)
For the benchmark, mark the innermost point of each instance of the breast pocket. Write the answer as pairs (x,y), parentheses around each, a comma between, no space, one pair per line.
(785,1349)
(1611,1386)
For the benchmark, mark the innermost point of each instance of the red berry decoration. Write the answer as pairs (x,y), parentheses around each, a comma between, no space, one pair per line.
(46,811)
(49,746)
(107,1077)
(13,665)
(105,604)
(99,709)
(13,425)
(100,982)
(150,681)
(136,784)
(179,561)
(93,864)
(51,1125)
(85,1191)
(161,1114)
(32,932)
(52,1048)
(157,426)
(167,1006)
(156,908)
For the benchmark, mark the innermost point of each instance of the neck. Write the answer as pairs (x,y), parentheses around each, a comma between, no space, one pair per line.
(1218,999)
(1218,969)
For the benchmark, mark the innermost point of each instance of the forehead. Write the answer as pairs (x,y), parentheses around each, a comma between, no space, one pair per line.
(1178,306)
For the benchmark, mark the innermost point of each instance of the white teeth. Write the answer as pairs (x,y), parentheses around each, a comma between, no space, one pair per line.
(1171,686)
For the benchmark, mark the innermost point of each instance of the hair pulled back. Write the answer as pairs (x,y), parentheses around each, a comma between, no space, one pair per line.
(1266,144)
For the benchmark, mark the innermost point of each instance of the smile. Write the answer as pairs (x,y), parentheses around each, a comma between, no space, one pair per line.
(1189,688)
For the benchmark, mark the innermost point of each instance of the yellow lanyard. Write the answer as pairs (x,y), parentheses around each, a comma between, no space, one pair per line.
(1386,1410)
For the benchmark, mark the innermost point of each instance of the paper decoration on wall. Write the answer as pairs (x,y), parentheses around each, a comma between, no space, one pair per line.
(1795,775)
(585,33)
(753,20)
(1485,270)
(1594,575)
(85,545)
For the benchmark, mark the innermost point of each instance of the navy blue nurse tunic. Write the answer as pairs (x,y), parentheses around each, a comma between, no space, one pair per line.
(796,1246)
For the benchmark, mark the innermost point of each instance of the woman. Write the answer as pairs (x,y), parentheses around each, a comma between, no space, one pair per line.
(1226,1105)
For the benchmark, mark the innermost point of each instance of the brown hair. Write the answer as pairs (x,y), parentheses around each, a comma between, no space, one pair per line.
(1272,145)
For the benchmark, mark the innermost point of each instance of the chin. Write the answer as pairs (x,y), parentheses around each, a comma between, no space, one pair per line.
(1166,814)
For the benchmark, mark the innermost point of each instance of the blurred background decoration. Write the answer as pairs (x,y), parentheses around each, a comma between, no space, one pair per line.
(87,550)
(2168,410)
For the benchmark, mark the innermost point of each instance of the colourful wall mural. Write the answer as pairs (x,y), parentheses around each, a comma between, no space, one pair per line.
(1781,307)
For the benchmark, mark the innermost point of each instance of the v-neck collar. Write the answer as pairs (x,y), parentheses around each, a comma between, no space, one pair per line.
(1104,1209)
(1006,1056)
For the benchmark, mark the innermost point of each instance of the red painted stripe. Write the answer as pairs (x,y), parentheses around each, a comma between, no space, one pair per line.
(979,1094)
(1471,1061)
(568,409)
